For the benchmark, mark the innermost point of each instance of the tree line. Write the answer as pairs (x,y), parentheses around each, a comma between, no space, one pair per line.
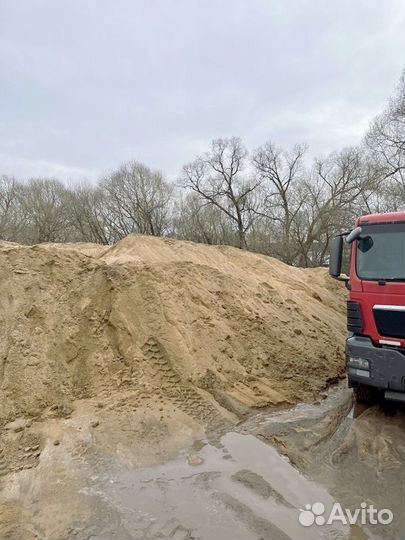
(269,200)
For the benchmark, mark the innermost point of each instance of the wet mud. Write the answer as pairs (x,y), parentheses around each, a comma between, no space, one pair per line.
(252,482)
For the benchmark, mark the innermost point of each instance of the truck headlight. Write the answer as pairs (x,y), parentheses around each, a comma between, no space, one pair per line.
(358,362)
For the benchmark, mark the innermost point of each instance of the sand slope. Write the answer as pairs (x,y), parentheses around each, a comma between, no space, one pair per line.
(212,330)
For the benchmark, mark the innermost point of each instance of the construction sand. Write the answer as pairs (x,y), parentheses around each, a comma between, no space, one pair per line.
(149,343)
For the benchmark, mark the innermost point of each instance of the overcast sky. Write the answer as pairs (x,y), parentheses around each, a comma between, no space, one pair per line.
(88,84)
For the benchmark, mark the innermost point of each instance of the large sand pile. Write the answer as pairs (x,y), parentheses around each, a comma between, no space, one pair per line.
(162,330)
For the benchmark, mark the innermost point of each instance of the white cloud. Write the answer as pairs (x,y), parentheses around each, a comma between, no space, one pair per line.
(87,85)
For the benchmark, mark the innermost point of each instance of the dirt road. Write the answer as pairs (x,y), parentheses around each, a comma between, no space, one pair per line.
(230,485)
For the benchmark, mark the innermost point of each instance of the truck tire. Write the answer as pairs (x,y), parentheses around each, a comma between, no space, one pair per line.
(365,394)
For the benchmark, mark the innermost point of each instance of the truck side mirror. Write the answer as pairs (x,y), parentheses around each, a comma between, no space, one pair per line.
(336,253)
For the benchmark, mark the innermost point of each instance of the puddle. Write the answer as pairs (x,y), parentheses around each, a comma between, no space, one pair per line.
(242,488)
(356,452)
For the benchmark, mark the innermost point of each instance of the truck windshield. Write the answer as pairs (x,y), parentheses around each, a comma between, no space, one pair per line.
(381,252)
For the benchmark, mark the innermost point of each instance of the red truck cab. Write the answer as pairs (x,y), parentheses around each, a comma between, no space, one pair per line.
(375,347)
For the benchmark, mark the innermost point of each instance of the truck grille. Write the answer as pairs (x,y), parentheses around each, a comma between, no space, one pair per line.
(390,322)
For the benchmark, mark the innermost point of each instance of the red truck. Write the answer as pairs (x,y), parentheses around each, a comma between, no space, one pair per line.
(375,347)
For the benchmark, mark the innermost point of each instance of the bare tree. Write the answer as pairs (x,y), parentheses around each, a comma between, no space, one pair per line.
(10,217)
(44,207)
(386,143)
(138,200)
(88,214)
(331,200)
(200,222)
(386,135)
(281,173)
(217,177)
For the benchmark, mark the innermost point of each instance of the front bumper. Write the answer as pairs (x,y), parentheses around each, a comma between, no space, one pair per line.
(386,367)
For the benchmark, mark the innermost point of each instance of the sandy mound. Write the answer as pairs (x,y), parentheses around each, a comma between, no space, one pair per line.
(174,328)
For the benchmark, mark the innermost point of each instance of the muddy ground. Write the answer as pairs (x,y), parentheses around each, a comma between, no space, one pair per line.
(249,482)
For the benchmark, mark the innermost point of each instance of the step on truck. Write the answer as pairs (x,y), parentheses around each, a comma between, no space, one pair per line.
(375,348)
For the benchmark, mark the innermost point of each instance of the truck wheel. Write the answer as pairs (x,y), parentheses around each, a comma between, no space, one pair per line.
(365,394)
